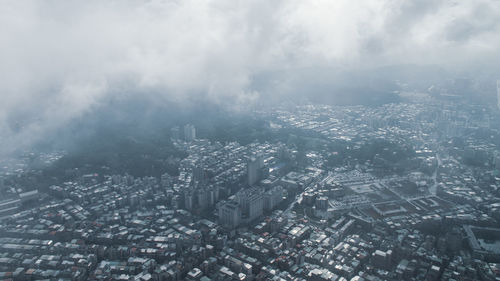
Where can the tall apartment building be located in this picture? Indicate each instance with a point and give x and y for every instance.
(254, 169)
(230, 214)
(251, 202)
(189, 132)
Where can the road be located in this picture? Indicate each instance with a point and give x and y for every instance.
(300, 196)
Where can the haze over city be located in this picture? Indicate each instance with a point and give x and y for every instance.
(250, 140)
(62, 59)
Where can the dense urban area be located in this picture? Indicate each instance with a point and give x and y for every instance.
(400, 191)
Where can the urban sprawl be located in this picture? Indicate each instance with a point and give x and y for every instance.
(425, 206)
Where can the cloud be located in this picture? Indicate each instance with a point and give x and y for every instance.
(61, 58)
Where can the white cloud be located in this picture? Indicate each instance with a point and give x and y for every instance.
(59, 58)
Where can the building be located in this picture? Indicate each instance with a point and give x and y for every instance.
(255, 206)
(254, 168)
(194, 275)
(497, 162)
(484, 242)
(251, 202)
(188, 200)
(322, 203)
(189, 132)
(273, 197)
(230, 214)
(381, 259)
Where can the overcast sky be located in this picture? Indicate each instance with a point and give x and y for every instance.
(60, 58)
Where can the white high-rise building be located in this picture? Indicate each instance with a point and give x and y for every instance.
(251, 202)
(189, 132)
